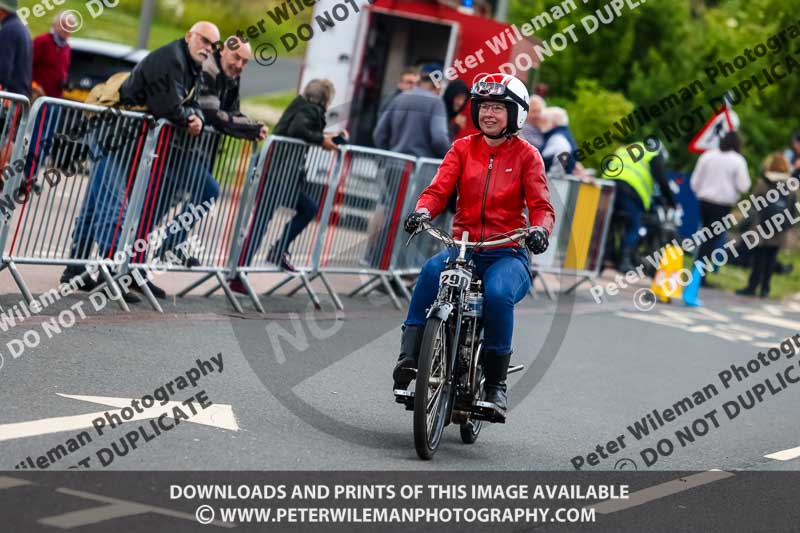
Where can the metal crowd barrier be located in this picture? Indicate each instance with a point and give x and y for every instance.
(362, 218)
(92, 181)
(294, 183)
(407, 261)
(583, 215)
(195, 184)
(13, 117)
(69, 200)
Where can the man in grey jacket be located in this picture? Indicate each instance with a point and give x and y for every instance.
(415, 123)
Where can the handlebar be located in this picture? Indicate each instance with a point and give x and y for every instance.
(464, 242)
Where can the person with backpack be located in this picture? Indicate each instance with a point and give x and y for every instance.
(764, 256)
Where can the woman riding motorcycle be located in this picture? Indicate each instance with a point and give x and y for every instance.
(496, 175)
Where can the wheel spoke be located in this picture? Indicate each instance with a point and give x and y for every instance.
(436, 378)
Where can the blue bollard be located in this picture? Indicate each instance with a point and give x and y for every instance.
(692, 289)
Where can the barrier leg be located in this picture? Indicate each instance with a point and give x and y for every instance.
(252, 294)
(335, 297)
(114, 288)
(310, 291)
(403, 289)
(580, 282)
(148, 294)
(390, 291)
(296, 289)
(228, 292)
(545, 286)
(23, 288)
(286, 280)
(194, 285)
(214, 288)
(363, 286)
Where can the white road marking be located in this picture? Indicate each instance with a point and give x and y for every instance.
(217, 415)
(11, 482)
(774, 321)
(785, 455)
(115, 509)
(660, 491)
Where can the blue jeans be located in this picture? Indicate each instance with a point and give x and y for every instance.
(106, 200)
(631, 208)
(506, 280)
(206, 192)
(305, 210)
(103, 207)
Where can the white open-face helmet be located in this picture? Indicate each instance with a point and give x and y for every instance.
(506, 89)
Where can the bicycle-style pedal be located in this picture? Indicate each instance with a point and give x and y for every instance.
(515, 368)
(488, 412)
(405, 397)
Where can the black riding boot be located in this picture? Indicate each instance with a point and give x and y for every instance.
(495, 370)
(410, 342)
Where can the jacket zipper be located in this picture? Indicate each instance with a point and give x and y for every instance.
(485, 190)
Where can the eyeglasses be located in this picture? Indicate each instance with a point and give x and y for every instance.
(492, 108)
(204, 40)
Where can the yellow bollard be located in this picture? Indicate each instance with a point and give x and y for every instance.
(666, 284)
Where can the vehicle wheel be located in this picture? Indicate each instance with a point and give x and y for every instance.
(432, 393)
(470, 430)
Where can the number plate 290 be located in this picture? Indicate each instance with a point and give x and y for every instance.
(455, 278)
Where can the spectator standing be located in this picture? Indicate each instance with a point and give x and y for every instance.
(456, 96)
(535, 123)
(408, 80)
(558, 140)
(415, 123)
(52, 56)
(218, 99)
(765, 256)
(718, 179)
(304, 119)
(16, 59)
(166, 84)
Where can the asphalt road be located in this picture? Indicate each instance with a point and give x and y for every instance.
(311, 390)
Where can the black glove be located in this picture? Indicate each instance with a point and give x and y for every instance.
(536, 241)
(415, 220)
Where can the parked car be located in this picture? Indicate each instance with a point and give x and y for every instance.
(94, 62)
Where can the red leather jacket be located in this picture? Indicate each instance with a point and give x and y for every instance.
(494, 184)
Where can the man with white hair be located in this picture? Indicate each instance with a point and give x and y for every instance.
(52, 56)
(532, 129)
(166, 84)
(558, 140)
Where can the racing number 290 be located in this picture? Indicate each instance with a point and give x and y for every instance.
(454, 278)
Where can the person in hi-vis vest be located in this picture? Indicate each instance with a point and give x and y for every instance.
(636, 168)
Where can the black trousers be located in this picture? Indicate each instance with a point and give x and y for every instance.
(710, 213)
(764, 259)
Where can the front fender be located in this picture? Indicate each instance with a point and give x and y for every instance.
(440, 310)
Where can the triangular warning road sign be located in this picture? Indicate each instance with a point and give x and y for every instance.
(709, 135)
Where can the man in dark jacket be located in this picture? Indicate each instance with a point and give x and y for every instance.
(304, 119)
(218, 99)
(166, 83)
(219, 91)
(16, 59)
